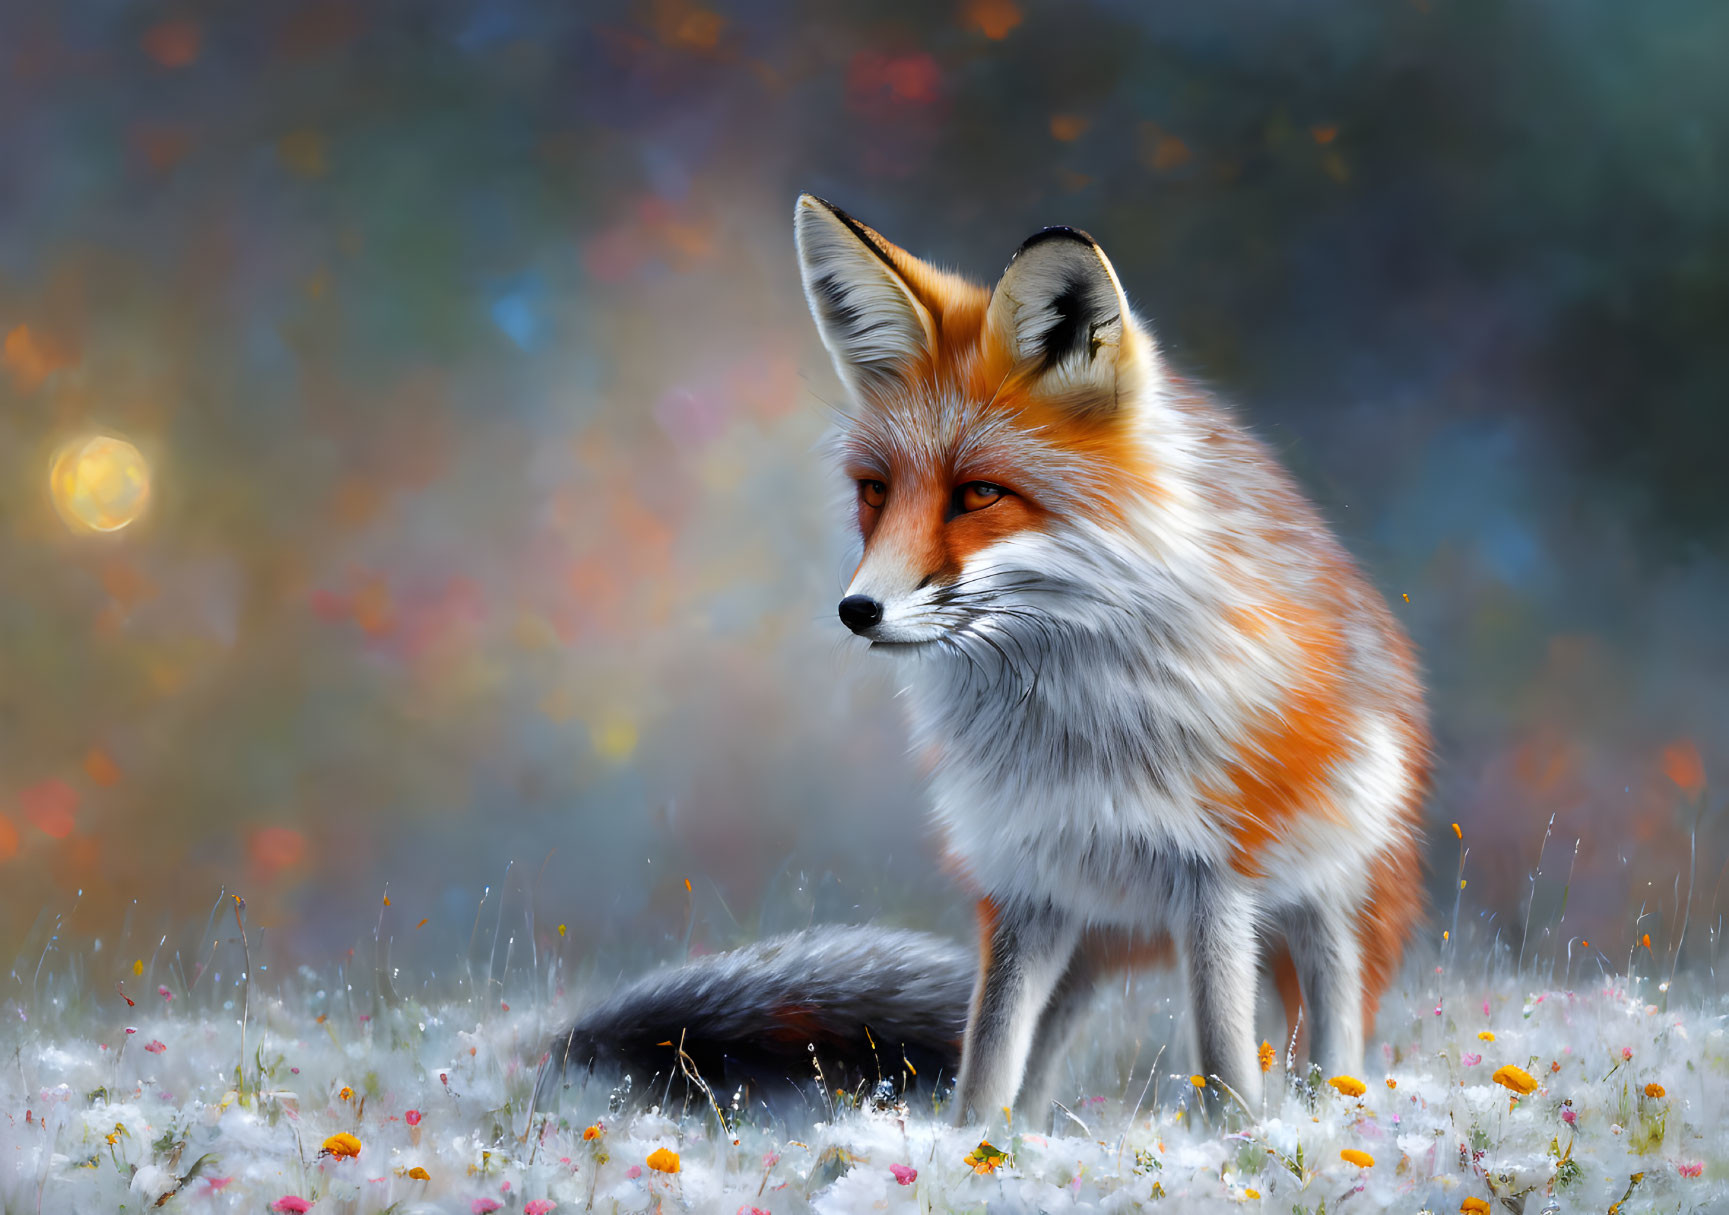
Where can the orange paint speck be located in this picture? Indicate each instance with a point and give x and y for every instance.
(30, 358)
(1066, 128)
(8, 839)
(992, 18)
(51, 805)
(100, 767)
(174, 44)
(1683, 765)
(277, 848)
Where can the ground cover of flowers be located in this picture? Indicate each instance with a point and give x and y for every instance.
(1479, 1095)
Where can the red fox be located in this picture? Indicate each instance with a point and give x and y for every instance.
(1162, 709)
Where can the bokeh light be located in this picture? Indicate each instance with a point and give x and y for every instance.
(494, 527)
(99, 483)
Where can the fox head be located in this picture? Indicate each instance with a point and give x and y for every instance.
(993, 434)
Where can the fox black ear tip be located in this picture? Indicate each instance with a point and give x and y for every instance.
(1058, 232)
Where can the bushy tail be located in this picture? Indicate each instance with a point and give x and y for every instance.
(865, 1005)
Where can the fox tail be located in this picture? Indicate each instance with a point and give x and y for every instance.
(839, 1007)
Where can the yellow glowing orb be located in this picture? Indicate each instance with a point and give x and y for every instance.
(99, 484)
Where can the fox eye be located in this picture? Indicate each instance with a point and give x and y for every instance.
(976, 495)
(873, 493)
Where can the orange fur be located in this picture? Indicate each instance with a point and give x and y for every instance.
(1281, 771)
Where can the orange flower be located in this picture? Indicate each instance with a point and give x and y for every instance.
(342, 1145)
(1267, 1056)
(1515, 1078)
(984, 1158)
(419, 1174)
(593, 1132)
(347, 1094)
(1361, 1159)
(1655, 1090)
(663, 1160)
(1486, 1035)
(1350, 1086)
(1392, 1083)
(1474, 1206)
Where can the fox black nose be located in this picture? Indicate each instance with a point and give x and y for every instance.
(860, 612)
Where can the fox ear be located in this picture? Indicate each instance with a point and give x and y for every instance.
(1059, 314)
(876, 330)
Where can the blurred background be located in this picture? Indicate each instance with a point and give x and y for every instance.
(474, 529)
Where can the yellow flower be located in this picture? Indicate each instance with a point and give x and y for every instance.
(342, 1145)
(1361, 1159)
(1474, 1206)
(419, 1174)
(1392, 1083)
(1251, 1193)
(663, 1160)
(984, 1158)
(1349, 1085)
(1655, 1090)
(347, 1094)
(1267, 1056)
(1198, 1081)
(1486, 1035)
(1515, 1078)
(593, 1132)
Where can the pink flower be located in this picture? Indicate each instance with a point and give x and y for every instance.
(1690, 1170)
(1626, 1053)
(412, 1117)
(217, 1184)
(130, 1030)
(1470, 1059)
(633, 1172)
(164, 993)
(904, 1174)
(291, 1204)
(505, 1188)
(155, 1047)
(1485, 1008)
(751, 1211)
(770, 1159)
(481, 1206)
(540, 1206)
(1569, 1116)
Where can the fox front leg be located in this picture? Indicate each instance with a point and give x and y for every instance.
(1023, 953)
(1220, 959)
